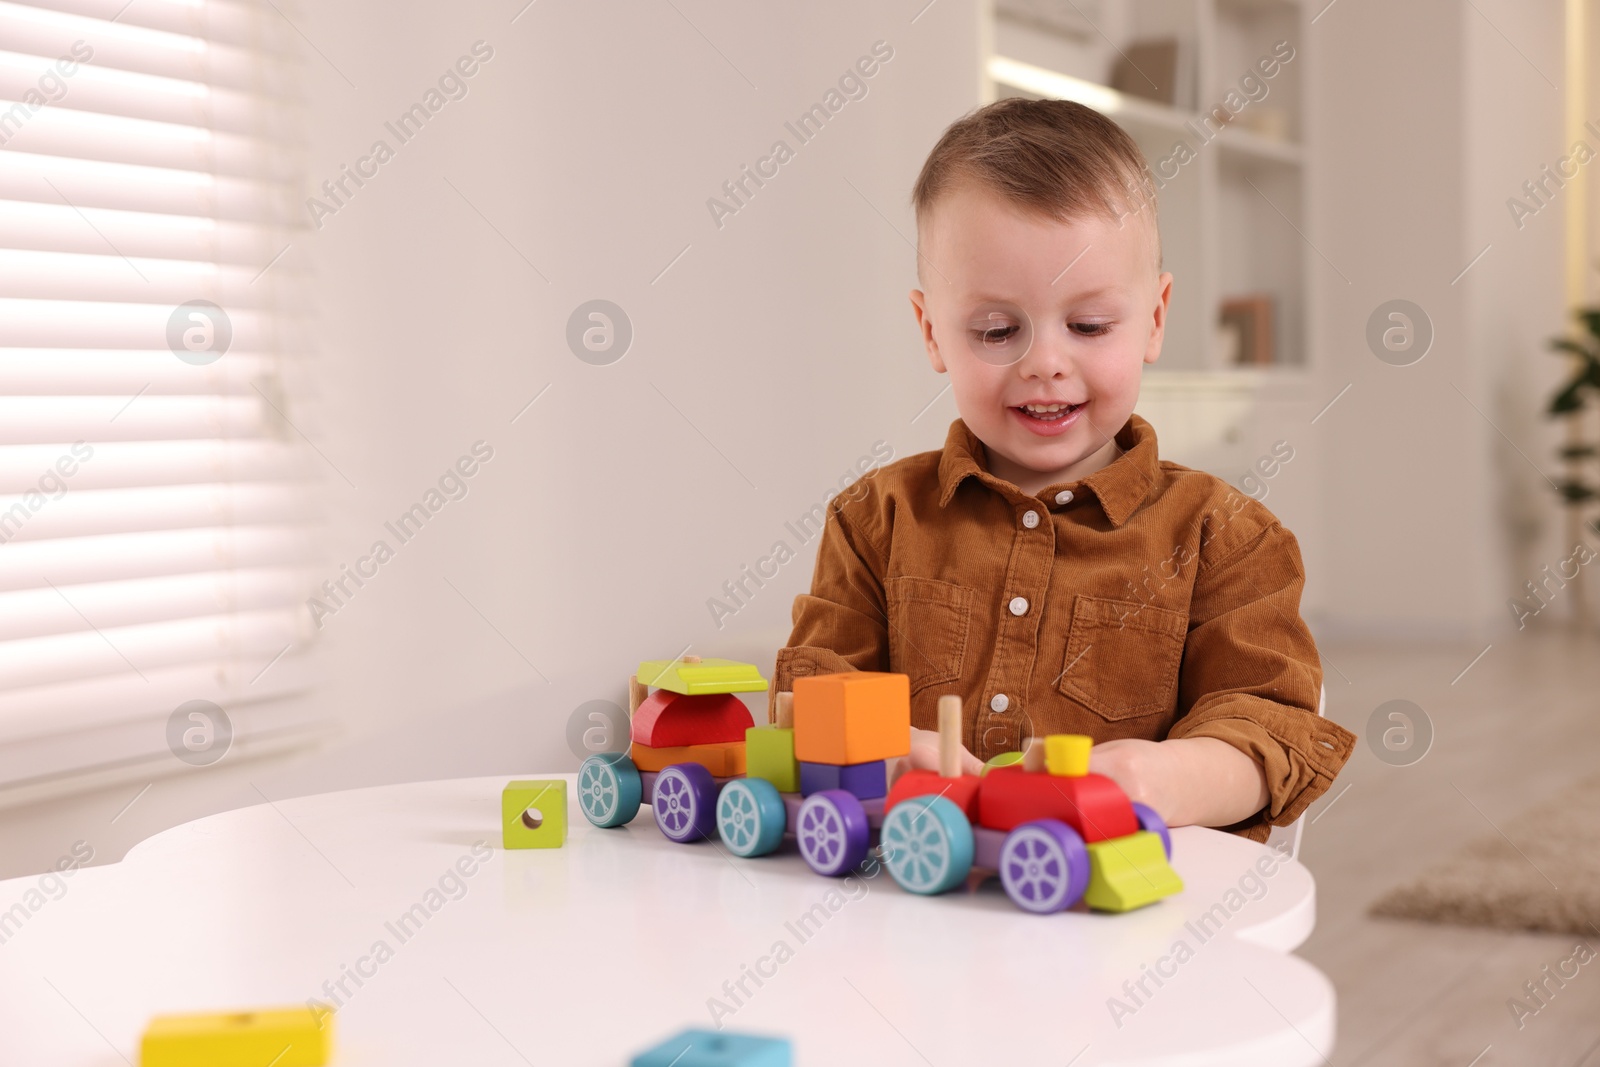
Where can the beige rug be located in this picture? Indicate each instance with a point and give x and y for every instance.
(1543, 874)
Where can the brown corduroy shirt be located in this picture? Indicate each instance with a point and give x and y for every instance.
(1147, 600)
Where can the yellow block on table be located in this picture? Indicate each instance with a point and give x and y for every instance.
(282, 1037)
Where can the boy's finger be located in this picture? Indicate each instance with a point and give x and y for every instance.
(898, 766)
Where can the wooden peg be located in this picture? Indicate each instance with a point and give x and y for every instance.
(784, 710)
(637, 691)
(691, 659)
(950, 736)
(1033, 756)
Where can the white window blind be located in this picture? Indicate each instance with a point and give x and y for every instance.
(154, 511)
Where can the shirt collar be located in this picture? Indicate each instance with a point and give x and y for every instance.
(1120, 486)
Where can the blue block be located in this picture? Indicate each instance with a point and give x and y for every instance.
(815, 777)
(711, 1048)
(864, 781)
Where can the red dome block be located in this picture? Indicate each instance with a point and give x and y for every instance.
(671, 720)
(962, 792)
(1093, 804)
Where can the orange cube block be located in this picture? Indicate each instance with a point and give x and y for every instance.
(852, 717)
(725, 760)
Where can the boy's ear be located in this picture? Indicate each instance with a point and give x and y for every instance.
(919, 304)
(1158, 325)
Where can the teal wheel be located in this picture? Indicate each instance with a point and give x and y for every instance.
(750, 816)
(927, 844)
(608, 789)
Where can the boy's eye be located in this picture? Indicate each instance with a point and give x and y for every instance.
(1089, 329)
(994, 335)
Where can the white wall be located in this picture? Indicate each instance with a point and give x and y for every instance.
(593, 539)
(1516, 296)
(591, 143)
(1422, 116)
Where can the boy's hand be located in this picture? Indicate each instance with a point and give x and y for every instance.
(925, 756)
(1139, 767)
(1188, 781)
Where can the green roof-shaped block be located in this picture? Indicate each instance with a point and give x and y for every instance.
(1129, 872)
(704, 676)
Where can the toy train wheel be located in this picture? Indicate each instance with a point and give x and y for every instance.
(608, 789)
(927, 844)
(685, 802)
(1149, 820)
(750, 816)
(832, 831)
(1044, 866)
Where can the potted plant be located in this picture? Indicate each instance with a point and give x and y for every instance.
(1579, 483)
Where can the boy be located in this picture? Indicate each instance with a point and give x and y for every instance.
(1045, 565)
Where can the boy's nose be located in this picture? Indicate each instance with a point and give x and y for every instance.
(1047, 357)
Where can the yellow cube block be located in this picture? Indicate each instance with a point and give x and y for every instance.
(1067, 754)
(283, 1037)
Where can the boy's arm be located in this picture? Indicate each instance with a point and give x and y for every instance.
(1251, 751)
(1191, 781)
(841, 625)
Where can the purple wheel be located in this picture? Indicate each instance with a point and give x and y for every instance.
(685, 802)
(1149, 820)
(832, 830)
(1044, 866)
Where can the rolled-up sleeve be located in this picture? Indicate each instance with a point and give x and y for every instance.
(1251, 675)
(841, 625)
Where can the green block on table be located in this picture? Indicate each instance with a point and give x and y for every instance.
(769, 754)
(533, 813)
(1129, 872)
(701, 676)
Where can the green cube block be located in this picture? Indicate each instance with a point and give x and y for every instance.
(1129, 872)
(769, 754)
(533, 813)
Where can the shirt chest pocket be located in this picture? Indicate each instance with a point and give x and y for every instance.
(928, 623)
(1123, 657)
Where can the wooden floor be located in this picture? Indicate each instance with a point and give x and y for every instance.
(1520, 724)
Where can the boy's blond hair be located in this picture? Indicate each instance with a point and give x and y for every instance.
(1053, 158)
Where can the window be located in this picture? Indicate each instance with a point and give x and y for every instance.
(154, 491)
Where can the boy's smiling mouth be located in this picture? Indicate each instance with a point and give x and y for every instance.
(1047, 418)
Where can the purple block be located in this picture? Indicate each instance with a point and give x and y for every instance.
(864, 781)
(815, 777)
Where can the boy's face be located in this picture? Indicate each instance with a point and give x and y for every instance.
(1023, 310)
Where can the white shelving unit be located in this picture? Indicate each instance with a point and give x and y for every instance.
(1233, 199)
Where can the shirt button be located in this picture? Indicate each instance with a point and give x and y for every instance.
(1030, 519)
(1064, 497)
(1018, 605)
(999, 702)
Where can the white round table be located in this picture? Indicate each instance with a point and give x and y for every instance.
(586, 954)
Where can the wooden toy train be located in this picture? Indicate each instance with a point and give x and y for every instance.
(1053, 831)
